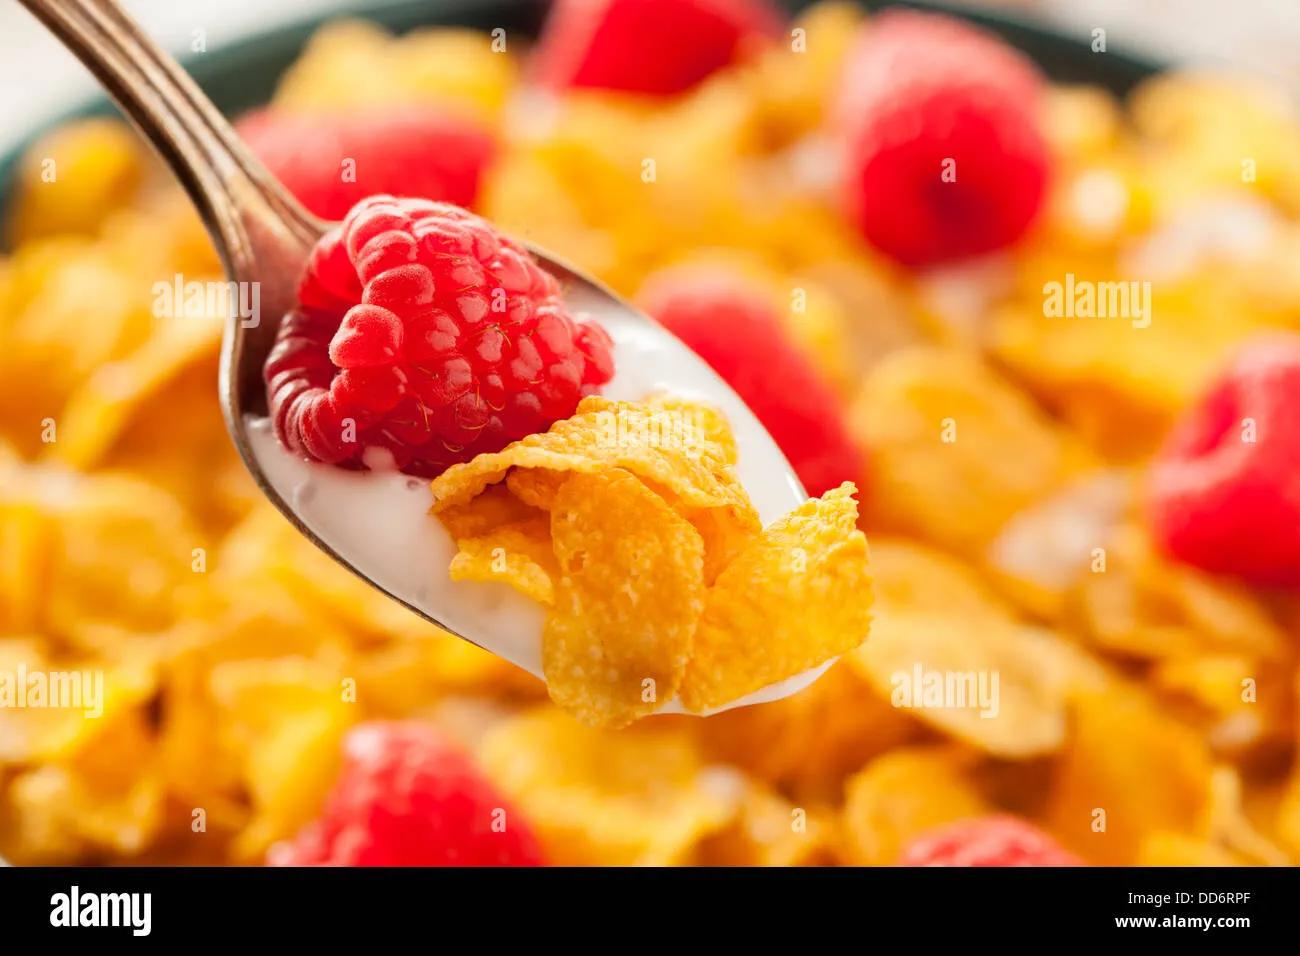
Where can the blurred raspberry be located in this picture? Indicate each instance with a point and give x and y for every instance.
(943, 153)
(333, 161)
(1225, 489)
(425, 335)
(407, 797)
(658, 47)
(987, 841)
(736, 329)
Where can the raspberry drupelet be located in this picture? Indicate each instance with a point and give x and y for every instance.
(424, 336)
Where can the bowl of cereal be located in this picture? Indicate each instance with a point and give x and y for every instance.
(1013, 306)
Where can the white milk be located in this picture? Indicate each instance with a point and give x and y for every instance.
(379, 521)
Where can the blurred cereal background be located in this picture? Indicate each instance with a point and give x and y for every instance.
(133, 544)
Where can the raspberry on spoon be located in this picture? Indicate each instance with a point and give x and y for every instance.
(423, 336)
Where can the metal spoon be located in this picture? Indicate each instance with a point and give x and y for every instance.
(263, 236)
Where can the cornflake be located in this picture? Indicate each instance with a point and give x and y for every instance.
(628, 521)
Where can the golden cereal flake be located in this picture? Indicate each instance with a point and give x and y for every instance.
(627, 601)
(642, 796)
(956, 449)
(1128, 771)
(682, 450)
(495, 507)
(797, 597)
(977, 679)
(902, 794)
(518, 554)
(604, 434)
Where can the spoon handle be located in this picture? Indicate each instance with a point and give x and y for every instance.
(243, 206)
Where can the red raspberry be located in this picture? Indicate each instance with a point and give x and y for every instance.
(987, 841)
(407, 797)
(405, 151)
(659, 47)
(425, 334)
(1225, 490)
(943, 156)
(739, 333)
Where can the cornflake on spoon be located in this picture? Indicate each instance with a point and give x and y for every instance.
(663, 584)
